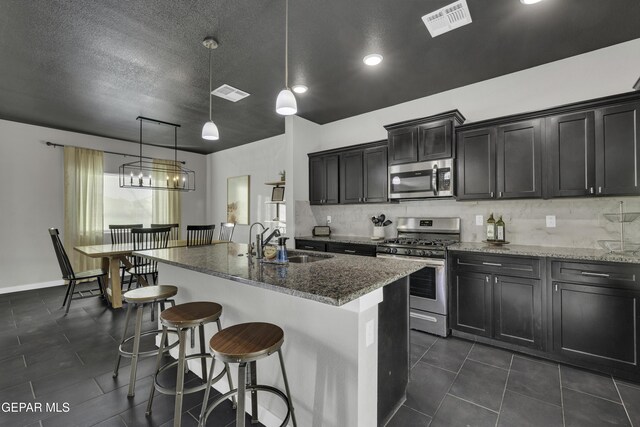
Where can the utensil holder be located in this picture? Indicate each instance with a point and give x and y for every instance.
(378, 232)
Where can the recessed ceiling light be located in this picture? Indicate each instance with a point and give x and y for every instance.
(528, 2)
(372, 59)
(300, 88)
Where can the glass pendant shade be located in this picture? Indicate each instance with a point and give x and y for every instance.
(210, 131)
(286, 103)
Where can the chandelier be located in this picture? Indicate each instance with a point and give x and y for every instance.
(158, 174)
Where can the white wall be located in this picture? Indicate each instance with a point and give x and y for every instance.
(32, 195)
(261, 160)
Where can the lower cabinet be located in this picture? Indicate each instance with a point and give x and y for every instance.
(336, 247)
(596, 322)
(494, 305)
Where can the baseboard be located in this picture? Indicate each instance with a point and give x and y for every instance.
(31, 286)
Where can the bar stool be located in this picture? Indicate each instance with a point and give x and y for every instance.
(183, 317)
(242, 344)
(138, 298)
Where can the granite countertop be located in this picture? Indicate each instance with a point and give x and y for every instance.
(335, 280)
(586, 254)
(342, 239)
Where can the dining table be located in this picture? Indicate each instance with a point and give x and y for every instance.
(112, 255)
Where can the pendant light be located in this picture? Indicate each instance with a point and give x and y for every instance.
(210, 130)
(286, 102)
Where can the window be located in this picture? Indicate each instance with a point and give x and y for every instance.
(125, 205)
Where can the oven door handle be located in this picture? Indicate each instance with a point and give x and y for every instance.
(423, 317)
(429, 262)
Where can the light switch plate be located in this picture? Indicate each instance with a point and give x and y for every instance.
(370, 333)
(328, 219)
(479, 220)
(551, 221)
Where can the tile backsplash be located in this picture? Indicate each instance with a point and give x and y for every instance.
(579, 222)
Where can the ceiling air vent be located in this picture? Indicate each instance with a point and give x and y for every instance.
(447, 18)
(230, 93)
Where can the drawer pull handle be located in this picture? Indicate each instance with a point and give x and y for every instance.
(588, 273)
(309, 247)
(350, 251)
(493, 264)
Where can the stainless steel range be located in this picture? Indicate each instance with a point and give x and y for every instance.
(425, 240)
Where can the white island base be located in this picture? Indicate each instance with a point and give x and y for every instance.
(330, 352)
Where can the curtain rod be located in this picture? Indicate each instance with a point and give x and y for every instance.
(54, 145)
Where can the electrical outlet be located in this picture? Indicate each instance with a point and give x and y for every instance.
(479, 220)
(370, 333)
(328, 219)
(551, 221)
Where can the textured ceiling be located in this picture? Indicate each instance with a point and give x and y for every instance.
(93, 66)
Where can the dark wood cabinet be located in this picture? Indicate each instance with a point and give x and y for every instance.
(571, 153)
(336, 247)
(311, 245)
(323, 179)
(363, 175)
(428, 138)
(403, 146)
(517, 310)
(596, 324)
(476, 169)
(617, 149)
(470, 304)
(498, 297)
(519, 160)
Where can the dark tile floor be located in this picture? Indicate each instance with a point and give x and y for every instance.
(46, 357)
(459, 383)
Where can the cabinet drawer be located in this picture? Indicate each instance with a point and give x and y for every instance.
(311, 245)
(351, 249)
(504, 265)
(614, 275)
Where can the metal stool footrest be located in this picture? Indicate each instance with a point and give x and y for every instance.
(148, 352)
(171, 390)
(256, 387)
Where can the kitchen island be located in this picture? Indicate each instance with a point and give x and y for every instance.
(345, 320)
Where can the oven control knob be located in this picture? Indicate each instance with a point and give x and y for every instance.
(423, 253)
(393, 250)
(407, 252)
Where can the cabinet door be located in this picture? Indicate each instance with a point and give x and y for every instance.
(351, 182)
(471, 303)
(519, 167)
(517, 311)
(617, 150)
(332, 180)
(596, 324)
(476, 164)
(571, 151)
(375, 174)
(403, 146)
(434, 140)
(317, 180)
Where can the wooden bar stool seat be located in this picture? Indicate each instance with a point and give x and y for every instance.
(245, 344)
(184, 317)
(139, 298)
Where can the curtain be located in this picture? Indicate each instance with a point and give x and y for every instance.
(83, 213)
(165, 204)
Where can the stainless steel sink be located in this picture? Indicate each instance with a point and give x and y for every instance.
(301, 259)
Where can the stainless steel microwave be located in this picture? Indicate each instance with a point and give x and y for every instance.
(421, 180)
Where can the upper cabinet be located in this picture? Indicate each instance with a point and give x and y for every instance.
(500, 162)
(594, 153)
(356, 174)
(323, 179)
(418, 140)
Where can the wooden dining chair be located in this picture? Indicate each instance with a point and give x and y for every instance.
(72, 277)
(121, 234)
(145, 239)
(226, 231)
(198, 235)
(174, 234)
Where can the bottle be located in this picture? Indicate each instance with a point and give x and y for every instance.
(282, 256)
(500, 230)
(491, 228)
